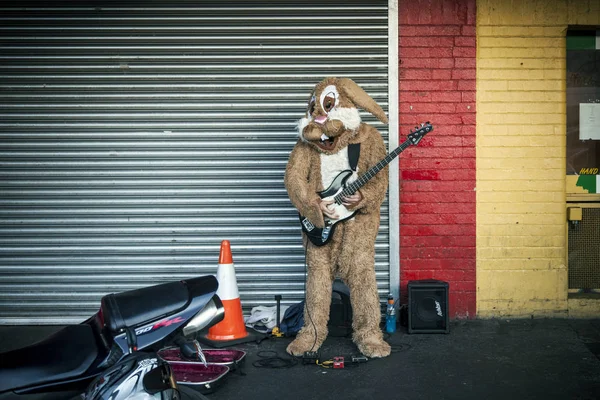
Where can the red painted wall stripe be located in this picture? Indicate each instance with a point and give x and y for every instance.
(437, 178)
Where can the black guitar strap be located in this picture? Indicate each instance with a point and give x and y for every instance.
(353, 154)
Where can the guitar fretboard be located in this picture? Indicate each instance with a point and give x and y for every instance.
(360, 182)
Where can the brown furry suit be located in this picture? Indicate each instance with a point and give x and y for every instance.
(350, 254)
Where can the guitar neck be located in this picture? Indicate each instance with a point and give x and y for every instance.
(360, 182)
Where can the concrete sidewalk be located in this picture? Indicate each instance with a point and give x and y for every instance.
(482, 359)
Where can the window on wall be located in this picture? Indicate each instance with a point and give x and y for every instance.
(583, 159)
(583, 110)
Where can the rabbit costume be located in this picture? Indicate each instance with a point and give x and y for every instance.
(331, 123)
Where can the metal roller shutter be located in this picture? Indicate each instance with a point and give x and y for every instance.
(135, 139)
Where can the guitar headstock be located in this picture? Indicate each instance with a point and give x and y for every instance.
(415, 136)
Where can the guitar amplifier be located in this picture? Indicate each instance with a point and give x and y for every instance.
(428, 306)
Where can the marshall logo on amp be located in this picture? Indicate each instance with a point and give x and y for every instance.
(438, 308)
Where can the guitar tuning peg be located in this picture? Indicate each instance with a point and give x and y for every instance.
(422, 124)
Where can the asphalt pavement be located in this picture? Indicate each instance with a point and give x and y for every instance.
(477, 359)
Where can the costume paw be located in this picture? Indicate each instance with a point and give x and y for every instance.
(374, 348)
(303, 343)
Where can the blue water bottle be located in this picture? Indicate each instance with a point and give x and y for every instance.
(390, 315)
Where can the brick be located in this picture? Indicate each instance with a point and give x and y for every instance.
(438, 241)
(424, 163)
(469, 119)
(420, 241)
(422, 151)
(406, 85)
(469, 141)
(469, 130)
(429, 186)
(448, 96)
(417, 97)
(445, 141)
(463, 74)
(464, 52)
(437, 208)
(438, 252)
(462, 285)
(418, 74)
(429, 96)
(465, 41)
(429, 42)
(468, 96)
(419, 229)
(425, 108)
(458, 264)
(468, 30)
(420, 175)
(441, 219)
(465, 108)
(439, 130)
(437, 119)
(410, 265)
(436, 30)
(467, 85)
(460, 62)
(424, 52)
(437, 197)
(456, 175)
(409, 62)
(444, 74)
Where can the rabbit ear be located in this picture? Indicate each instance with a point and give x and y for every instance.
(361, 98)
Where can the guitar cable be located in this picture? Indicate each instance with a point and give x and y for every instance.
(305, 302)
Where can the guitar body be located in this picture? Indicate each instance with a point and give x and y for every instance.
(318, 236)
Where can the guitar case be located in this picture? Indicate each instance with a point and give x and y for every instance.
(340, 313)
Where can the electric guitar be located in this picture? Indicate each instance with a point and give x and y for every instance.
(339, 189)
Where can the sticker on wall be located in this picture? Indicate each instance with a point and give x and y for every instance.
(588, 180)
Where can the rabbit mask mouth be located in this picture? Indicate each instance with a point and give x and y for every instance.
(326, 143)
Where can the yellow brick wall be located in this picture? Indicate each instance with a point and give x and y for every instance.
(521, 123)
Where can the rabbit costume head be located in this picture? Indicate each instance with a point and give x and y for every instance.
(332, 116)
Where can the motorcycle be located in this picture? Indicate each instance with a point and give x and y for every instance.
(142, 320)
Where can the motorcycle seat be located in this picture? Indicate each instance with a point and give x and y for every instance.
(140, 306)
(66, 354)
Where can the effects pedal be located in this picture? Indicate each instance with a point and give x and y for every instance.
(310, 357)
(338, 362)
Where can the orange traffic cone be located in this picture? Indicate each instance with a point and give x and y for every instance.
(231, 330)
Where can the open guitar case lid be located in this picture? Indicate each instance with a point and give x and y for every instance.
(196, 375)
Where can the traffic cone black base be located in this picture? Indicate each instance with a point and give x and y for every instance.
(218, 344)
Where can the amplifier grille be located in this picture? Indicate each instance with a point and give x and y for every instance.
(584, 251)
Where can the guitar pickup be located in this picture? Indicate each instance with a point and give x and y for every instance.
(307, 224)
(325, 233)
